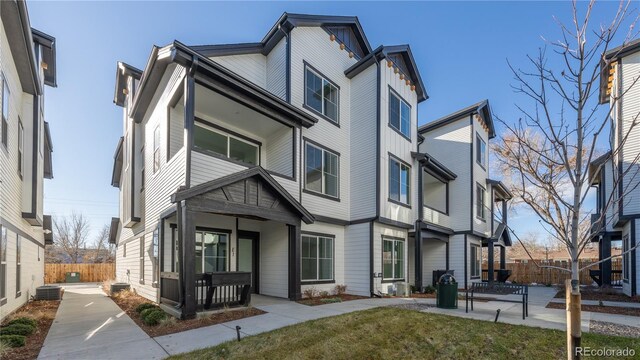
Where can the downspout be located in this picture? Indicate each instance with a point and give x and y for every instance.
(371, 239)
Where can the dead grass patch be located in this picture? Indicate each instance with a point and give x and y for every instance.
(602, 294)
(323, 300)
(44, 312)
(618, 310)
(128, 300)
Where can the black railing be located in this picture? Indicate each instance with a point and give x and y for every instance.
(223, 289)
(169, 289)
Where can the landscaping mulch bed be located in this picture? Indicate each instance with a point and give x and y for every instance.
(330, 299)
(608, 328)
(128, 301)
(601, 294)
(618, 310)
(44, 311)
(423, 296)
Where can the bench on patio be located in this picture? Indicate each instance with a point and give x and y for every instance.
(500, 289)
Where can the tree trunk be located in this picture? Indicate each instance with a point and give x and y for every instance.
(574, 325)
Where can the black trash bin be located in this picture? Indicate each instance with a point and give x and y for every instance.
(438, 273)
(447, 297)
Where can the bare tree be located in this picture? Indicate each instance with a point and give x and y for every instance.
(103, 251)
(546, 154)
(71, 235)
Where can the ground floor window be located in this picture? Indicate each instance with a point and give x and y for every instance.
(211, 251)
(3, 262)
(626, 258)
(18, 265)
(317, 258)
(392, 258)
(475, 260)
(142, 260)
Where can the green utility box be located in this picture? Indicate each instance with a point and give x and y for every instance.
(447, 292)
(72, 277)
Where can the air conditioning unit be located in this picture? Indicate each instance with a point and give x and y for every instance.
(402, 289)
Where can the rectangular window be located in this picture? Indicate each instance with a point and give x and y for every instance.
(3, 262)
(18, 265)
(435, 193)
(20, 147)
(626, 258)
(321, 170)
(480, 207)
(142, 164)
(124, 250)
(392, 259)
(317, 258)
(154, 259)
(226, 145)
(399, 114)
(475, 260)
(321, 95)
(212, 249)
(5, 112)
(156, 149)
(399, 181)
(142, 260)
(481, 151)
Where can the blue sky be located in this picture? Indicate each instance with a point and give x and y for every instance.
(461, 50)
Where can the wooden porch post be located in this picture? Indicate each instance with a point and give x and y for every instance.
(294, 262)
(490, 260)
(418, 256)
(188, 235)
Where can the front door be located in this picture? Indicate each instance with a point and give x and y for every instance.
(248, 255)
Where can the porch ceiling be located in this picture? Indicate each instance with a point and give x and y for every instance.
(248, 193)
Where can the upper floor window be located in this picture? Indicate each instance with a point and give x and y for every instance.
(435, 193)
(399, 181)
(399, 114)
(5, 111)
(480, 206)
(142, 166)
(156, 149)
(321, 170)
(481, 151)
(321, 95)
(20, 147)
(392, 258)
(229, 146)
(3, 262)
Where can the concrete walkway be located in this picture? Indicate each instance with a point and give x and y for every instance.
(89, 325)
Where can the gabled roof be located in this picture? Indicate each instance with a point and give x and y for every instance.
(596, 166)
(15, 20)
(181, 54)
(503, 191)
(502, 232)
(256, 171)
(113, 230)
(117, 164)
(434, 167)
(481, 108)
(610, 58)
(283, 26)
(389, 52)
(123, 72)
(48, 51)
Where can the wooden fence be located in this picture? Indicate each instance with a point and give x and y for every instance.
(527, 273)
(55, 273)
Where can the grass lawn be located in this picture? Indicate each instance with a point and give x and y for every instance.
(386, 333)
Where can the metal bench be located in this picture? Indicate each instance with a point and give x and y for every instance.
(500, 289)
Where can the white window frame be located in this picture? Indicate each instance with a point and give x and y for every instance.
(156, 149)
(317, 238)
(324, 174)
(4, 244)
(325, 82)
(18, 265)
(402, 165)
(20, 147)
(394, 258)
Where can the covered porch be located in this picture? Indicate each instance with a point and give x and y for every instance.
(500, 237)
(228, 238)
(432, 243)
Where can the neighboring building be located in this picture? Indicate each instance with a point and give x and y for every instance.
(618, 205)
(294, 158)
(27, 64)
(457, 209)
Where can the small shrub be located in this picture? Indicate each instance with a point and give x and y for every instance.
(145, 306)
(4, 348)
(24, 320)
(154, 317)
(17, 329)
(600, 303)
(13, 340)
(167, 321)
(429, 289)
(331, 300)
(148, 311)
(310, 293)
(340, 289)
(324, 294)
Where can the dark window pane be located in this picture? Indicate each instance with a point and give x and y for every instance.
(209, 140)
(399, 257)
(242, 151)
(394, 111)
(404, 184)
(387, 259)
(313, 91)
(394, 180)
(405, 124)
(331, 101)
(331, 174)
(313, 168)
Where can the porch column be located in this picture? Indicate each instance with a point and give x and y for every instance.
(490, 260)
(295, 292)
(418, 257)
(446, 250)
(188, 241)
(503, 259)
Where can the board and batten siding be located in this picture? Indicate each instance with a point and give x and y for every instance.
(396, 144)
(450, 144)
(363, 144)
(356, 259)
(276, 70)
(252, 67)
(631, 148)
(312, 44)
